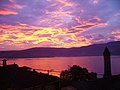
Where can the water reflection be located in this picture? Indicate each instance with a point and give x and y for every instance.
(92, 63)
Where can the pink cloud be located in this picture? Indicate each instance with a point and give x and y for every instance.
(14, 6)
(116, 34)
(5, 11)
(12, 1)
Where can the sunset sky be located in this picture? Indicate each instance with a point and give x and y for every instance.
(58, 23)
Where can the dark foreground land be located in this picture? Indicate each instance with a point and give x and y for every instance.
(13, 77)
(111, 83)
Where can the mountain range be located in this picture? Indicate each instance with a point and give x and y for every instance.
(91, 50)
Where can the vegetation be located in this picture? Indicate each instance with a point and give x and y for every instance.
(77, 73)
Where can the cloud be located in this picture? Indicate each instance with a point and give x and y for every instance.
(9, 8)
(14, 6)
(116, 34)
(5, 11)
(20, 36)
(13, 1)
(58, 23)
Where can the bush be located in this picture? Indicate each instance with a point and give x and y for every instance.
(77, 73)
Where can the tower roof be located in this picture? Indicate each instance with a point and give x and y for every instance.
(4, 60)
(106, 51)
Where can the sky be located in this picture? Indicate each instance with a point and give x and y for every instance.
(58, 23)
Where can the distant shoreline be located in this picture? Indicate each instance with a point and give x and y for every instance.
(55, 56)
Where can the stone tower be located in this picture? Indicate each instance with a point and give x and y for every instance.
(107, 63)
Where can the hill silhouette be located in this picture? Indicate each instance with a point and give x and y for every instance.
(91, 50)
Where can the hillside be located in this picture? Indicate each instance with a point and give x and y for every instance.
(91, 50)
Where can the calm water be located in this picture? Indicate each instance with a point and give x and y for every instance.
(92, 63)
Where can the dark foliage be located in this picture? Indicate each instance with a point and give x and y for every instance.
(77, 73)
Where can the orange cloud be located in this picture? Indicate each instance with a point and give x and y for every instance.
(55, 37)
(24, 36)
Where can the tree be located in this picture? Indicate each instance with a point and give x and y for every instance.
(77, 73)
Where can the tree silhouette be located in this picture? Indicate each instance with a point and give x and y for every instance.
(77, 73)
